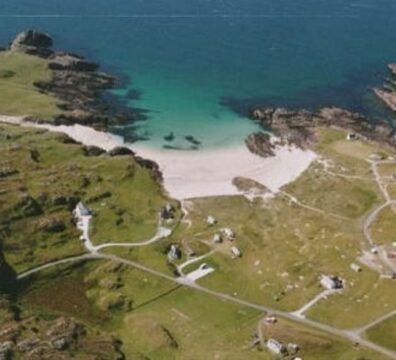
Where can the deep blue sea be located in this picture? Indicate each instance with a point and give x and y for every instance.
(197, 66)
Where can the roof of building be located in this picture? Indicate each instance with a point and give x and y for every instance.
(83, 210)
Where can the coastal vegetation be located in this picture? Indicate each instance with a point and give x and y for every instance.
(19, 96)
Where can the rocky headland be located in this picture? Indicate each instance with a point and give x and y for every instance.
(77, 83)
(297, 128)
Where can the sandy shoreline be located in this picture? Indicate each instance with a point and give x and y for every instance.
(192, 174)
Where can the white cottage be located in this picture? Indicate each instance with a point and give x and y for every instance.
(81, 211)
(275, 347)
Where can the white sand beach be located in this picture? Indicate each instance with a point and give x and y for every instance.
(202, 173)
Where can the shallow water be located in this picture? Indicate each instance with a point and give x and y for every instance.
(198, 66)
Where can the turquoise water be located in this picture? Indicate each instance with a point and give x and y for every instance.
(198, 66)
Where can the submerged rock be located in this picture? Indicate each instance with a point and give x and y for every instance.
(192, 140)
(169, 137)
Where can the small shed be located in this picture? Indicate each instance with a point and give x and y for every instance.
(331, 282)
(228, 233)
(217, 238)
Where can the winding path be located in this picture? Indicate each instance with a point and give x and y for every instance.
(162, 232)
(192, 261)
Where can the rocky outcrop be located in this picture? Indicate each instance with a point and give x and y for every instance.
(62, 338)
(33, 42)
(71, 62)
(388, 93)
(388, 96)
(260, 144)
(297, 127)
(152, 166)
(120, 151)
(250, 186)
(77, 84)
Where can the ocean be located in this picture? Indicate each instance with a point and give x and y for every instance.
(198, 66)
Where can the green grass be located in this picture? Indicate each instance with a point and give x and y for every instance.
(19, 96)
(315, 344)
(285, 249)
(383, 229)
(384, 333)
(63, 170)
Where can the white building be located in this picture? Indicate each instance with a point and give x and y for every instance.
(174, 253)
(331, 282)
(217, 238)
(81, 210)
(228, 233)
(275, 347)
(236, 252)
(271, 319)
(211, 220)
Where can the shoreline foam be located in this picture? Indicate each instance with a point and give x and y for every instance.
(202, 173)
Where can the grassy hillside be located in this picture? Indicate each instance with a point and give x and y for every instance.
(19, 97)
(42, 178)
